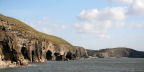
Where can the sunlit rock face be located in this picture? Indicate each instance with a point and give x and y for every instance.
(20, 47)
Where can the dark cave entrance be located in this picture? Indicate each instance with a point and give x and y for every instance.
(49, 55)
(32, 56)
(69, 55)
(8, 53)
(24, 53)
(58, 56)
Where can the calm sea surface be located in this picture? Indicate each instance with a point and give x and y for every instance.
(84, 65)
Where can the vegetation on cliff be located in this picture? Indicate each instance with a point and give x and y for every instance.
(26, 29)
(116, 52)
(20, 44)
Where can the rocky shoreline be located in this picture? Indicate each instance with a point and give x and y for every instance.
(20, 45)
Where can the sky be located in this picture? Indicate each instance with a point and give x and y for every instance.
(92, 24)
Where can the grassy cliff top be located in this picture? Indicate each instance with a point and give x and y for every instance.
(24, 28)
(117, 48)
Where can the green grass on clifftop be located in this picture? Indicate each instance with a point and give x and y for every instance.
(24, 28)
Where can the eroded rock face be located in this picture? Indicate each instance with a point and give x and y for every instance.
(18, 48)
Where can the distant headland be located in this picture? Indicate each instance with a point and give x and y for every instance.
(20, 44)
(116, 53)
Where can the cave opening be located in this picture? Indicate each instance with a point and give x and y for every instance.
(69, 55)
(58, 56)
(49, 55)
(8, 53)
(24, 53)
(32, 56)
(14, 52)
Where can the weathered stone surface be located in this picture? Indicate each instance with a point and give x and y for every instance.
(20, 48)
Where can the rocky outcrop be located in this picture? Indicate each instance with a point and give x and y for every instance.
(116, 52)
(21, 44)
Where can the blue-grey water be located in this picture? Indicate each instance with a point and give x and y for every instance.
(84, 65)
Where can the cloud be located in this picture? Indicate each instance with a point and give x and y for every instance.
(62, 27)
(103, 36)
(136, 25)
(52, 26)
(47, 31)
(115, 13)
(121, 1)
(100, 21)
(88, 27)
(40, 23)
(136, 8)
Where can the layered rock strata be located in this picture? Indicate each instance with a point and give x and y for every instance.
(20, 45)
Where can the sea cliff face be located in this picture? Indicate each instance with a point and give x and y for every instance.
(21, 44)
(116, 53)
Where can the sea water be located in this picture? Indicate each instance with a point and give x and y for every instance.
(84, 65)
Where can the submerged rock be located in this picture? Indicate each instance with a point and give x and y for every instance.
(20, 44)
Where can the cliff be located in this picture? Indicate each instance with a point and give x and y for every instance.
(20, 44)
(116, 52)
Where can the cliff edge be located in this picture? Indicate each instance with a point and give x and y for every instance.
(20, 44)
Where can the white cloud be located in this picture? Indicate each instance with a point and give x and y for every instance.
(96, 27)
(46, 25)
(62, 27)
(136, 25)
(121, 1)
(40, 23)
(95, 21)
(44, 18)
(103, 36)
(115, 13)
(100, 21)
(136, 8)
(47, 31)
